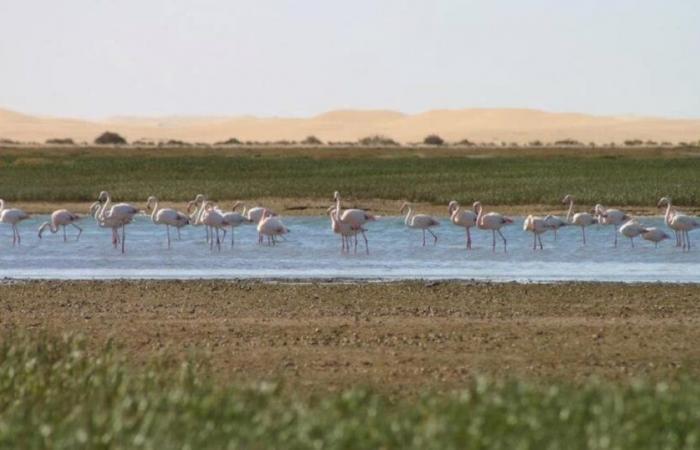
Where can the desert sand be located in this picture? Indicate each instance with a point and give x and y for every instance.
(477, 125)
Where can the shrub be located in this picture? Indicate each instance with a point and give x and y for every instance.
(143, 142)
(567, 142)
(109, 137)
(229, 141)
(173, 143)
(312, 140)
(633, 142)
(8, 141)
(536, 143)
(62, 141)
(466, 143)
(433, 139)
(377, 140)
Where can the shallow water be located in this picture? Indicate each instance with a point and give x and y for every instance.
(312, 251)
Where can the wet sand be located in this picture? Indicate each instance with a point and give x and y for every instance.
(402, 337)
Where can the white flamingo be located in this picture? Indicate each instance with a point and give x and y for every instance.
(356, 218)
(582, 219)
(120, 213)
(610, 216)
(12, 216)
(631, 229)
(655, 235)
(536, 225)
(214, 220)
(234, 219)
(555, 222)
(270, 227)
(343, 229)
(492, 221)
(460, 218)
(195, 210)
(61, 218)
(668, 219)
(422, 222)
(166, 216)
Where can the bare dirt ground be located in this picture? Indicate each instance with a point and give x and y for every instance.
(402, 337)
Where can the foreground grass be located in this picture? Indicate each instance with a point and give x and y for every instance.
(55, 394)
(499, 179)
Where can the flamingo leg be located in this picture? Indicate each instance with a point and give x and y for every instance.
(539, 238)
(423, 237)
(555, 234)
(505, 243)
(14, 236)
(65, 239)
(434, 236)
(583, 232)
(123, 237)
(80, 231)
(687, 239)
(534, 241)
(615, 227)
(19, 238)
(366, 242)
(167, 227)
(493, 240)
(632, 242)
(178, 233)
(232, 238)
(466, 229)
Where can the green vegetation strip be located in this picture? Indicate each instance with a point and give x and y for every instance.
(55, 394)
(500, 180)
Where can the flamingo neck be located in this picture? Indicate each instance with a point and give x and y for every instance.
(479, 214)
(2, 204)
(667, 217)
(409, 215)
(570, 214)
(337, 207)
(155, 210)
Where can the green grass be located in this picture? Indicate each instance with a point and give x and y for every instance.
(55, 394)
(500, 179)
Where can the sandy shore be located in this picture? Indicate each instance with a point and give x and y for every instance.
(397, 336)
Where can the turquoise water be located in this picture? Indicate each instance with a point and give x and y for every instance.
(312, 251)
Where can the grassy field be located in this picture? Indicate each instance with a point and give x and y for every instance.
(55, 394)
(494, 176)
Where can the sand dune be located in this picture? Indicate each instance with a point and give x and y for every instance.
(478, 125)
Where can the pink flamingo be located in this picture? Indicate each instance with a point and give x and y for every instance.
(12, 216)
(420, 221)
(466, 219)
(214, 220)
(344, 230)
(609, 216)
(356, 218)
(270, 226)
(61, 218)
(536, 225)
(234, 219)
(492, 221)
(121, 214)
(166, 216)
(582, 219)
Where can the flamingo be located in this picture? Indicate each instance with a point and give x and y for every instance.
(356, 218)
(61, 218)
(106, 223)
(166, 216)
(270, 226)
(655, 235)
(344, 230)
(213, 219)
(121, 213)
(609, 216)
(419, 221)
(234, 219)
(12, 216)
(536, 225)
(466, 219)
(196, 215)
(492, 221)
(555, 222)
(582, 219)
(255, 214)
(668, 219)
(631, 229)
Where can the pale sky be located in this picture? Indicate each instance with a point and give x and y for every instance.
(98, 58)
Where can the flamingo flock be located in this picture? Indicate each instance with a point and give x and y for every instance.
(349, 223)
